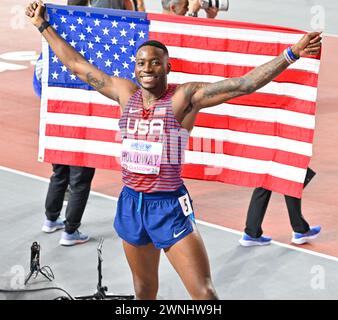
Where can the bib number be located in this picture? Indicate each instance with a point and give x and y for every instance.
(141, 156)
(185, 204)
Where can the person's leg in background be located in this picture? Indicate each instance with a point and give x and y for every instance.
(302, 232)
(253, 227)
(80, 179)
(55, 196)
(258, 204)
(297, 220)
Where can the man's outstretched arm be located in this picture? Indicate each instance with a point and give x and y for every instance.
(211, 94)
(113, 87)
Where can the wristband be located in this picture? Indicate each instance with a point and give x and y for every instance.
(291, 54)
(192, 14)
(44, 25)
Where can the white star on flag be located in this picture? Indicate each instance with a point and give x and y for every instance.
(55, 75)
(108, 63)
(141, 34)
(64, 35)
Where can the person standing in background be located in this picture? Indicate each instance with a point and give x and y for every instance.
(195, 6)
(78, 178)
(253, 232)
(176, 7)
(139, 5)
(181, 7)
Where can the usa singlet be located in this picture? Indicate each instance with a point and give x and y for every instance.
(153, 145)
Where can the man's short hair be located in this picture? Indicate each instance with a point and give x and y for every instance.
(166, 4)
(154, 43)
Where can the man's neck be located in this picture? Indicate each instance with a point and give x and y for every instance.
(149, 97)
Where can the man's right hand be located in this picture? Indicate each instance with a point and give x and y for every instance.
(36, 11)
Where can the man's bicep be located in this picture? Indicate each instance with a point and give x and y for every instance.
(115, 88)
(111, 87)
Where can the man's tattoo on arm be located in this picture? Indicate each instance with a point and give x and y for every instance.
(94, 82)
(265, 73)
(248, 83)
(225, 86)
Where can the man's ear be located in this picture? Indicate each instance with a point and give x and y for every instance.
(169, 67)
(172, 8)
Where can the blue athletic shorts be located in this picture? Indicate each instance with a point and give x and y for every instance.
(161, 218)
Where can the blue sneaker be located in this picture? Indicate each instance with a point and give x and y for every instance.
(50, 226)
(70, 239)
(247, 241)
(301, 238)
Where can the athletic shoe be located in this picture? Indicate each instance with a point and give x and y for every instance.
(70, 239)
(247, 241)
(50, 226)
(301, 238)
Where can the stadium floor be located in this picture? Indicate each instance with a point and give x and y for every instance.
(277, 271)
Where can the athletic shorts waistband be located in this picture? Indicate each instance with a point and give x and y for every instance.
(156, 195)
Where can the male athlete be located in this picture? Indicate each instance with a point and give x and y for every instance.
(154, 209)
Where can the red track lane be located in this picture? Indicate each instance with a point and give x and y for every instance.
(217, 203)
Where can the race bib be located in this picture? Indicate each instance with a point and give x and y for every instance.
(185, 204)
(141, 156)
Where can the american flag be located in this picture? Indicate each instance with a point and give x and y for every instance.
(263, 139)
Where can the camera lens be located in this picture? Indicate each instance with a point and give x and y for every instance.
(222, 5)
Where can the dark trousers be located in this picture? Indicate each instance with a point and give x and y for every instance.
(257, 208)
(79, 179)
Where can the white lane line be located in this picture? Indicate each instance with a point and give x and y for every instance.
(204, 223)
(288, 246)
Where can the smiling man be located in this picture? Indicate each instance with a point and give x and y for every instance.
(154, 209)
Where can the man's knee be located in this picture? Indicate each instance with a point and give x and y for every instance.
(145, 290)
(207, 292)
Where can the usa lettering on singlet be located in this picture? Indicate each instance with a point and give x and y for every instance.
(153, 145)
